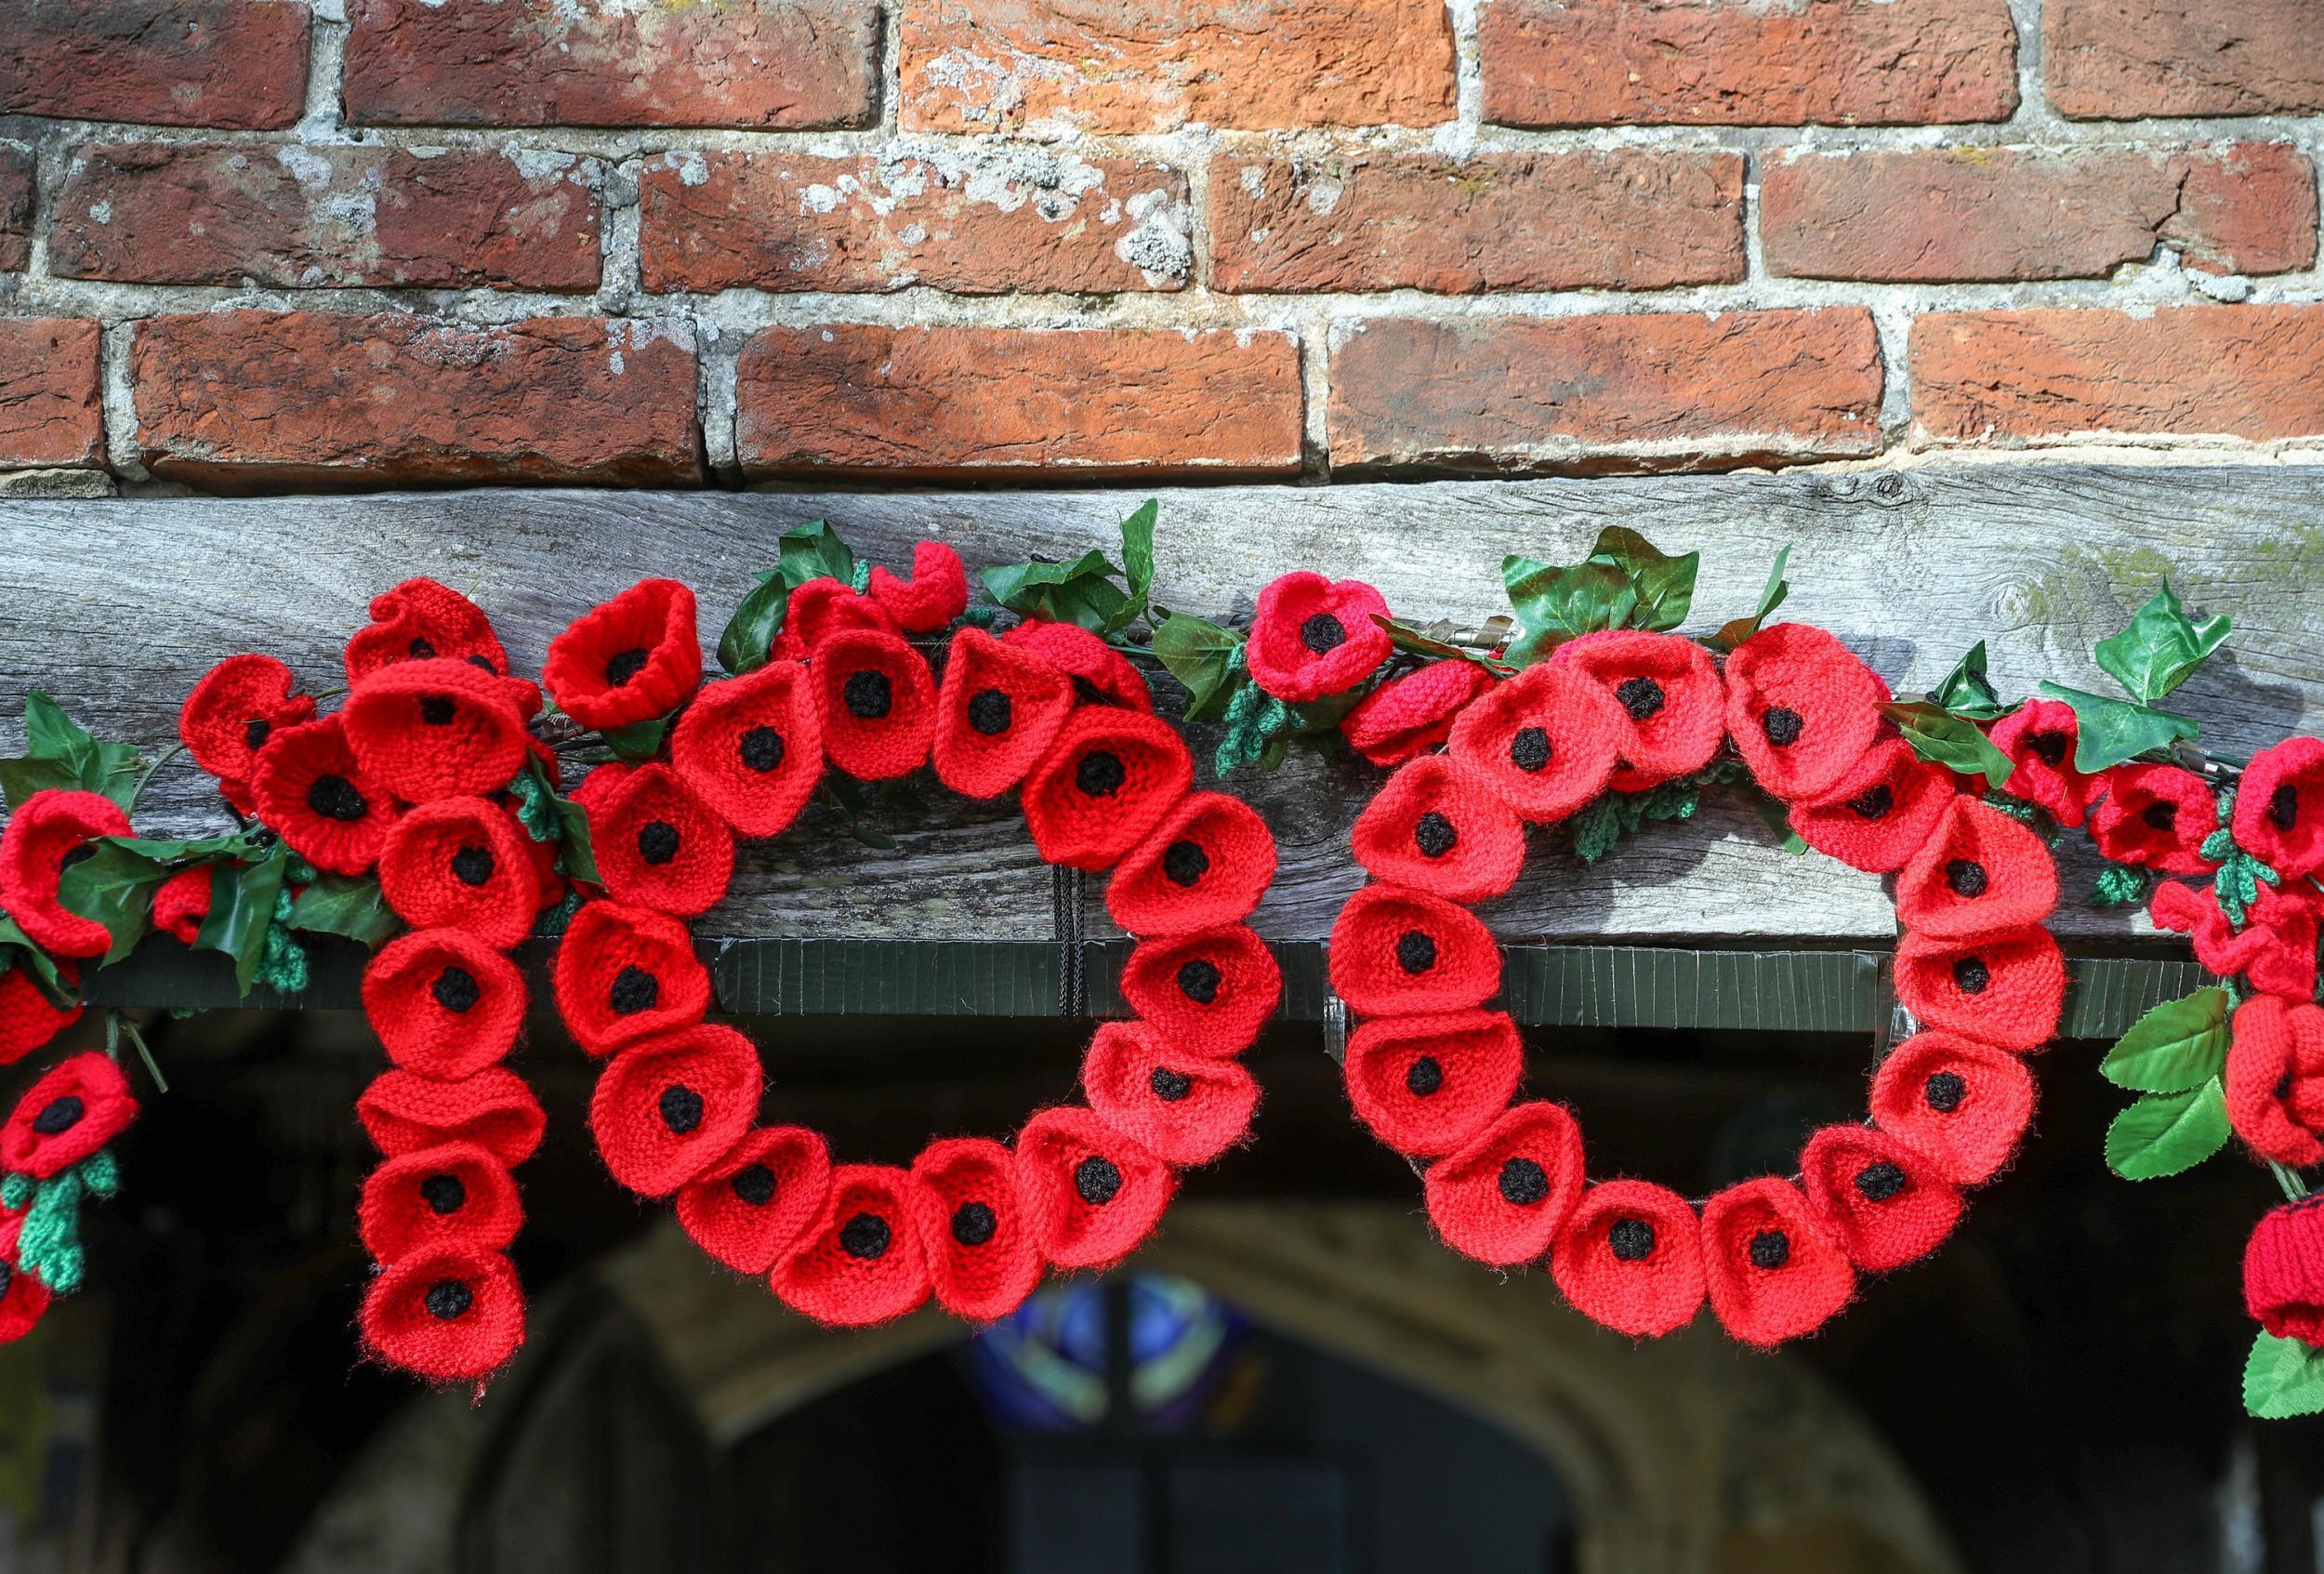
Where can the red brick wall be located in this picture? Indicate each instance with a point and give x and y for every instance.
(252, 244)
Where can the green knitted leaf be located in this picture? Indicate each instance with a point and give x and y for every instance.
(2120, 885)
(1596, 827)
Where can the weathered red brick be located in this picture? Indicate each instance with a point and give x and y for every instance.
(215, 214)
(1630, 219)
(765, 63)
(15, 207)
(251, 400)
(240, 64)
(1667, 390)
(1126, 66)
(2122, 59)
(970, 221)
(986, 403)
(2014, 376)
(1711, 62)
(2023, 213)
(50, 412)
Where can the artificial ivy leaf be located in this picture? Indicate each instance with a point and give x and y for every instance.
(2283, 1377)
(2163, 1133)
(1136, 564)
(847, 795)
(17, 948)
(2180, 1044)
(1199, 654)
(813, 550)
(114, 886)
(60, 752)
(1080, 592)
(2161, 647)
(2114, 730)
(1742, 629)
(1420, 642)
(1943, 738)
(1665, 584)
(243, 898)
(758, 619)
(568, 825)
(347, 905)
(639, 741)
(1557, 604)
(1967, 692)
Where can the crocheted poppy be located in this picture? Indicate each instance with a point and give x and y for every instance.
(2279, 807)
(1546, 741)
(1208, 992)
(77, 1107)
(997, 712)
(2275, 951)
(625, 974)
(629, 660)
(2156, 817)
(876, 702)
(2003, 989)
(444, 1003)
(1881, 812)
(2275, 1080)
(1667, 701)
(1407, 717)
(452, 1196)
(439, 728)
(1091, 1195)
(1206, 864)
(1883, 1202)
(746, 1209)
(974, 1229)
(1183, 1109)
(1502, 1196)
(937, 593)
(751, 747)
(1439, 828)
(28, 1019)
(2283, 1271)
(1981, 872)
(667, 1109)
(1396, 951)
(1425, 1085)
(461, 863)
(1629, 1256)
(1313, 637)
(310, 789)
(657, 843)
(819, 608)
(1771, 1273)
(861, 1262)
(1800, 707)
(1961, 1104)
(182, 901)
(2039, 738)
(451, 1313)
(404, 1112)
(417, 620)
(1108, 781)
(234, 708)
(1100, 673)
(23, 1299)
(47, 829)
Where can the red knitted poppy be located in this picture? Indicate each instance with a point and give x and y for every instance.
(1980, 873)
(1313, 637)
(404, 1112)
(1881, 812)
(2155, 817)
(461, 863)
(28, 1019)
(2003, 989)
(23, 1299)
(2275, 950)
(2275, 1080)
(1396, 951)
(417, 620)
(1772, 1272)
(309, 788)
(1502, 1196)
(629, 660)
(548, 883)
(1667, 701)
(861, 1262)
(2279, 807)
(182, 901)
(444, 1003)
(1407, 717)
(746, 1209)
(657, 843)
(1206, 864)
(235, 708)
(1960, 1104)
(974, 1228)
(876, 703)
(454, 1195)
(625, 974)
(2283, 1271)
(1091, 1195)
(2039, 738)
(1100, 673)
(450, 1313)
(997, 712)
(1427, 1084)
(1183, 1109)
(439, 728)
(1877, 1196)
(1108, 781)
(1437, 828)
(937, 593)
(669, 1108)
(1208, 992)
(819, 608)
(751, 747)
(1800, 707)
(77, 1107)
(1629, 1256)
(1547, 741)
(48, 827)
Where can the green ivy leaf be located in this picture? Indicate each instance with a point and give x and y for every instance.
(16, 949)
(1665, 584)
(639, 741)
(1742, 629)
(2283, 1377)
(1136, 564)
(2114, 730)
(1967, 692)
(1420, 642)
(60, 753)
(847, 795)
(2163, 1133)
(813, 550)
(1939, 735)
(1080, 592)
(2180, 1044)
(758, 619)
(2161, 647)
(1557, 604)
(114, 886)
(241, 905)
(1201, 655)
(347, 905)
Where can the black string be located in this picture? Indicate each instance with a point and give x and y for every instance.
(1067, 890)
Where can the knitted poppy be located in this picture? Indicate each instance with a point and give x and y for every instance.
(1880, 811)
(2279, 807)
(234, 708)
(2275, 950)
(1502, 1196)
(876, 702)
(1396, 951)
(1960, 1104)
(2283, 1271)
(404, 1112)
(460, 863)
(2156, 817)
(624, 974)
(1091, 1195)
(2039, 738)
(1407, 717)
(2003, 989)
(629, 660)
(417, 620)
(746, 1209)
(549, 884)
(1771, 1273)
(974, 1228)
(861, 1262)
(1425, 1085)
(28, 1018)
(1878, 1197)
(819, 608)
(1439, 828)
(1800, 707)
(182, 901)
(1183, 1109)
(2275, 1080)
(23, 1299)
(669, 1108)
(1981, 871)
(656, 842)
(998, 710)
(454, 1195)
(312, 792)
(439, 728)
(444, 1003)
(1108, 781)
(46, 831)
(937, 593)
(1206, 864)
(451, 1313)
(1546, 741)
(76, 1107)
(1629, 1256)
(1313, 637)
(751, 747)
(1667, 696)
(1208, 992)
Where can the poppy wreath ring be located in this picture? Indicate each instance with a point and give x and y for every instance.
(1433, 1069)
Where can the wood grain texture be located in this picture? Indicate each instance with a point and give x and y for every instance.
(114, 606)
